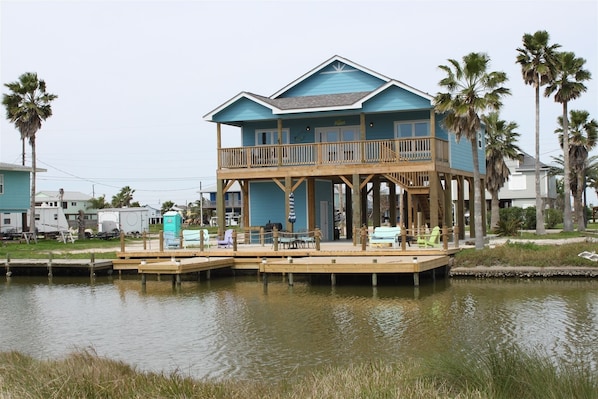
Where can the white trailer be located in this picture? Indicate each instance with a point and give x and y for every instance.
(50, 220)
(132, 221)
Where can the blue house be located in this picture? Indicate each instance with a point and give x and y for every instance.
(15, 196)
(342, 124)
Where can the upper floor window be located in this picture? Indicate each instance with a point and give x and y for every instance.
(270, 137)
(1, 184)
(410, 129)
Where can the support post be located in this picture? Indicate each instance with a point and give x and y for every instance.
(92, 264)
(122, 241)
(416, 279)
(374, 280)
(143, 279)
(50, 265)
(333, 279)
(291, 279)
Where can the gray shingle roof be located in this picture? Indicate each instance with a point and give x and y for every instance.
(307, 102)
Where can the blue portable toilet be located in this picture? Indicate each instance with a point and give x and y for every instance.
(172, 223)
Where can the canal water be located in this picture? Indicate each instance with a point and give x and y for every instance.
(236, 328)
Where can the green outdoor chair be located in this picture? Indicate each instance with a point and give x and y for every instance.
(433, 240)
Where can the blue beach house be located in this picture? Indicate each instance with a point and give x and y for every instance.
(15, 196)
(342, 124)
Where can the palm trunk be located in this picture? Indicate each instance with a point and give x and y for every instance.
(495, 214)
(567, 220)
(578, 204)
(33, 177)
(540, 230)
(477, 201)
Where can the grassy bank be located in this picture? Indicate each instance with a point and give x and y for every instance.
(527, 254)
(497, 374)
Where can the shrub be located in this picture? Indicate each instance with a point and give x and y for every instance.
(552, 217)
(508, 228)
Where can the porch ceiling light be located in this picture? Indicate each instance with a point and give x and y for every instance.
(308, 128)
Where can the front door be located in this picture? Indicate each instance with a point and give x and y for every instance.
(338, 143)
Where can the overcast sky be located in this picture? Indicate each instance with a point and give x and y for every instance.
(135, 78)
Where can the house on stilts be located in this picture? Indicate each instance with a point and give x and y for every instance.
(343, 125)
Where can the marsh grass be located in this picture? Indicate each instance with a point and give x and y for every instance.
(507, 373)
(527, 254)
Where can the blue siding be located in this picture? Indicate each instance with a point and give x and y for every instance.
(461, 157)
(267, 204)
(243, 109)
(332, 81)
(16, 197)
(396, 99)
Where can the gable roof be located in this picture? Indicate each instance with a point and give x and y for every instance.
(280, 105)
(66, 196)
(18, 168)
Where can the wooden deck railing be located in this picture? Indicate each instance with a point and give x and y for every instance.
(351, 152)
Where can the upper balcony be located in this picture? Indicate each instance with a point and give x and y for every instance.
(390, 151)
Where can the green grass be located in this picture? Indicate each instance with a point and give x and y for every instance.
(43, 248)
(507, 373)
(526, 254)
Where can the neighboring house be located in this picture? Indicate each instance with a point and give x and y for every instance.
(154, 215)
(233, 203)
(340, 124)
(71, 203)
(15, 195)
(520, 190)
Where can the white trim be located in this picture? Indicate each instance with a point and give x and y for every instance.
(324, 64)
(285, 134)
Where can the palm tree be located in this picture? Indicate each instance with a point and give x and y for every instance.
(537, 61)
(500, 144)
(583, 134)
(566, 86)
(27, 105)
(98, 203)
(123, 198)
(471, 91)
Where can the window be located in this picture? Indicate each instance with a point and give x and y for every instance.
(270, 137)
(1, 184)
(412, 129)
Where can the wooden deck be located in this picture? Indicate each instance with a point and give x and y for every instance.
(51, 265)
(338, 257)
(332, 258)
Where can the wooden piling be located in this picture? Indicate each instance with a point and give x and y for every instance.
(92, 264)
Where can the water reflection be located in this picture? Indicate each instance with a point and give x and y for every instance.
(231, 327)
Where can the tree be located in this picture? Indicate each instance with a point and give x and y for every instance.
(27, 105)
(583, 134)
(500, 144)
(123, 198)
(166, 206)
(471, 91)
(98, 203)
(537, 60)
(567, 85)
